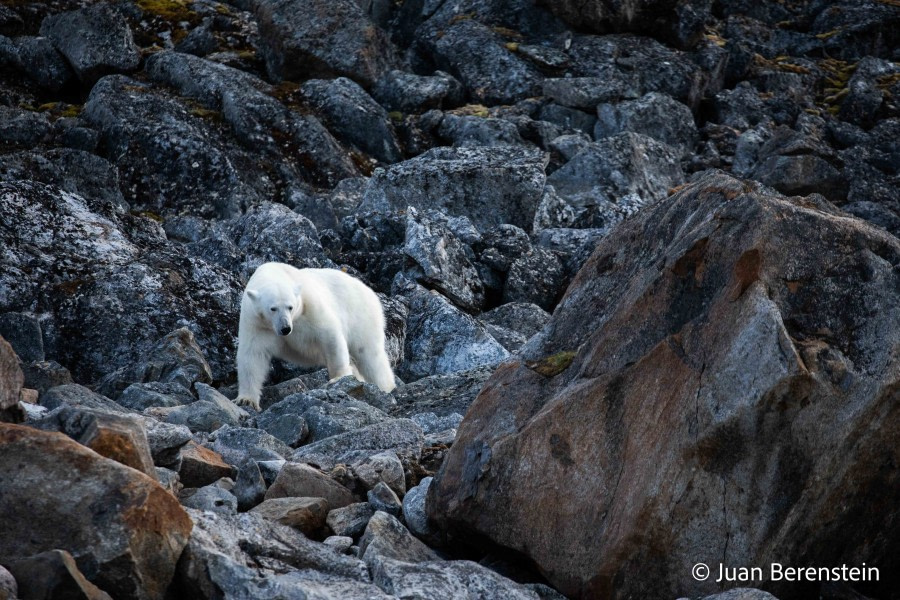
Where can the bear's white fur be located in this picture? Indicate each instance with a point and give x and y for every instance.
(310, 317)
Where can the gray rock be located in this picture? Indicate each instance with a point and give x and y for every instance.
(441, 394)
(801, 175)
(479, 58)
(141, 396)
(488, 185)
(369, 393)
(334, 39)
(350, 520)
(212, 498)
(414, 513)
(354, 116)
(237, 443)
(325, 412)
(445, 579)
(176, 358)
(270, 469)
(382, 467)
(469, 130)
(42, 63)
(740, 107)
(656, 115)
(401, 436)
(502, 245)
(301, 480)
(537, 278)
(442, 339)
(624, 172)
(553, 211)
(23, 333)
(43, 375)
(22, 127)
(77, 395)
(306, 514)
(340, 543)
(741, 594)
(431, 423)
(259, 121)
(96, 40)
(386, 537)
(52, 574)
(221, 546)
(169, 480)
(202, 415)
(570, 145)
(166, 441)
(285, 422)
(568, 118)
(521, 317)
(410, 93)
(443, 261)
(383, 498)
(249, 486)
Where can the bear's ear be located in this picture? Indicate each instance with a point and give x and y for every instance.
(252, 294)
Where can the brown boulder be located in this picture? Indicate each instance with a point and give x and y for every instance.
(124, 530)
(201, 466)
(306, 514)
(11, 380)
(302, 480)
(719, 384)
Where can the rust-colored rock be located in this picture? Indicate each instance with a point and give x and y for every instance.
(123, 529)
(302, 480)
(11, 380)
(201, 466)
(734, 398)
(306, 514)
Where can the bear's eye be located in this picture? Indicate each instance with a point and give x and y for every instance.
(290, 308)
(274, 308)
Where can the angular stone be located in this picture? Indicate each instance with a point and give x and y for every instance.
(23, 333)
(488, 185)
(237, 443)
(249, 486)
(141, 396)
(306, 514)
(414, 513)
(350, 520)
(128, 547)
(386, 537)
(727, 332)
(11, 380)
(410, 93)
(383, 498)
(201, 466)
(302, 480)
(383, 467)
(53, 574)
(96, 41)
(212, 498)
(445, 579)
(401, 436)
(441, 394)
(656, 115)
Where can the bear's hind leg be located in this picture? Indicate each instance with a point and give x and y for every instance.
(337, 358)
(375, 367)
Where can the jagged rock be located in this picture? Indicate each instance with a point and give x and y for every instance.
(306, 514)
(96, 40)
(169, 480)
(801, 175)
(568, 118)
(141, 396)
(479, 58)
(176, 358)
(536, 277)
(401, 436)
(237, 443)
(386, 537)
(442, 339)
(74, 394)
(201, 466)
(53, 574)
(445, 579)
(469, 130)
(333, 39)
(119, 437)
(622, 173)
(128, 547)
(441, 394)
(166, 442)
(655, 115)
(502, 245)
(325, 412)
(216, 559)
(212, 498)
(200, 41)
(22, 127)
(514, 323)
(431, 423)
(853, 30)
(442, 260)
(414, 512)
(11, 380)
(369, 393)
(273, 394)
(340, 543)
(553, 212)
(42, 63)
(410, 93)
(301, 480)
(382, 498)
(249, 486)
(350, 520)
(284, 420)
(202, 415)
(719, 324)
(382, 467)
(354, 116)
(259, 121)
(488, 185)
(860, 105)
(46, 374)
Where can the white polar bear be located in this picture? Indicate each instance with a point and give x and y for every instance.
(310, 317)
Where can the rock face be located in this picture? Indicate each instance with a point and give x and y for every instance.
(711, 377)
(127, 546)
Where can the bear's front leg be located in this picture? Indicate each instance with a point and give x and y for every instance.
(252, 368)
(337, 357)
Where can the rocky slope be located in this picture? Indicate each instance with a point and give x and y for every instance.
(703, 195)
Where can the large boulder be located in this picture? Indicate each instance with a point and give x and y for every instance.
(123, 529)
(720, 373)
(11, 379)
(304, 38)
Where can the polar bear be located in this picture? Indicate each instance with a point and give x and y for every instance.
(310, 317)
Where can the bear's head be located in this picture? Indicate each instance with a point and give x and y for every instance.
(277, 304)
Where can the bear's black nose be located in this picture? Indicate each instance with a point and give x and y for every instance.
(285, 330)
